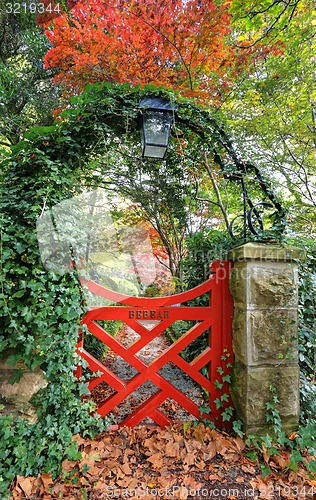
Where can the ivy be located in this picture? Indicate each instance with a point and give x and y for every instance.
(40, 310)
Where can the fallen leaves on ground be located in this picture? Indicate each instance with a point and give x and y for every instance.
(166, 463)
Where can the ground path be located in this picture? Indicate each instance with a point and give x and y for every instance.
(170, 372)
(155, 464)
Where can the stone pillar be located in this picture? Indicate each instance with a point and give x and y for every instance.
(263, 284)
(16, 397)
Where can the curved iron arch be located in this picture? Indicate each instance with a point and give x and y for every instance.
(115, 109)
(239, 173)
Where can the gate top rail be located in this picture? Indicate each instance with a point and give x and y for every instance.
(154, 301)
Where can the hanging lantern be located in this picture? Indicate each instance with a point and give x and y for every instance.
(156, 123)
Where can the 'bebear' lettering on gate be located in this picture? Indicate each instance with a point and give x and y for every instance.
(152, 314)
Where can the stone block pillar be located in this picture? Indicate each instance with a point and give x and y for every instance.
(263, 284)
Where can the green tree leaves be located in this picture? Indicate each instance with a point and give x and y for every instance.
(27, 95)
(266, 20)
(273, 117)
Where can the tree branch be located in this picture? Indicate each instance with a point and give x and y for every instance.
(169, 41)
(217, 192)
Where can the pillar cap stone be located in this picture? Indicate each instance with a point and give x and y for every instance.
(267, 252)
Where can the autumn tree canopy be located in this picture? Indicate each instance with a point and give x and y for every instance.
(174, 43)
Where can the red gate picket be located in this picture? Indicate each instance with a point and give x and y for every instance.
(217, 317)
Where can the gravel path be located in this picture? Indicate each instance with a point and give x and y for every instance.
(170, 372)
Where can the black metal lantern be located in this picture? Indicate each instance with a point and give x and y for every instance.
(156, 123)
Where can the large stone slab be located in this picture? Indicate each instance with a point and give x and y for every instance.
(16, 397)
(264, 285)
(265, 336)
(265, 252)
(251, 390)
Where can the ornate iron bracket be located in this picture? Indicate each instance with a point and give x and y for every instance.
(248, 220)
(221, 145)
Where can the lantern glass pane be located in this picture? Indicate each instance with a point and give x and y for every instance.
(154, 151)
(157, 127)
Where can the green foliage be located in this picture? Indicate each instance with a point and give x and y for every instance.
(26, 449)
(202, 249)
(152, 291)
(305, 438)
(94, 345)
(221, 385)
(205, 410)
(27, 94)
(272, 114)
(40, 311)
(266, 21)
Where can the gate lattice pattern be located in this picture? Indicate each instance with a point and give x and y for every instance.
(217, 318)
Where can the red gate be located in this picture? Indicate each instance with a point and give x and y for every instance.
(217, 317)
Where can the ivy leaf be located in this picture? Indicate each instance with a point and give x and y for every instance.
(16, 376)
(18, 294)
(252, 455)
(295, 457)
(265, 470)
(218, 403)
(312, 466)
(84, 389)
(72, 453)
(267, 441)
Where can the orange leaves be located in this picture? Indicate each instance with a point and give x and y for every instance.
(156, 460)
(175, 43)
(136, 463)
(28, 487)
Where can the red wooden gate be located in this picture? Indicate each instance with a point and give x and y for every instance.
(217, 317)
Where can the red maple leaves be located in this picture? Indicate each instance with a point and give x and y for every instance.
(174, 43)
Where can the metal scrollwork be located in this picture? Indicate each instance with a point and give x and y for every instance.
(247, 174)
(251, 219)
